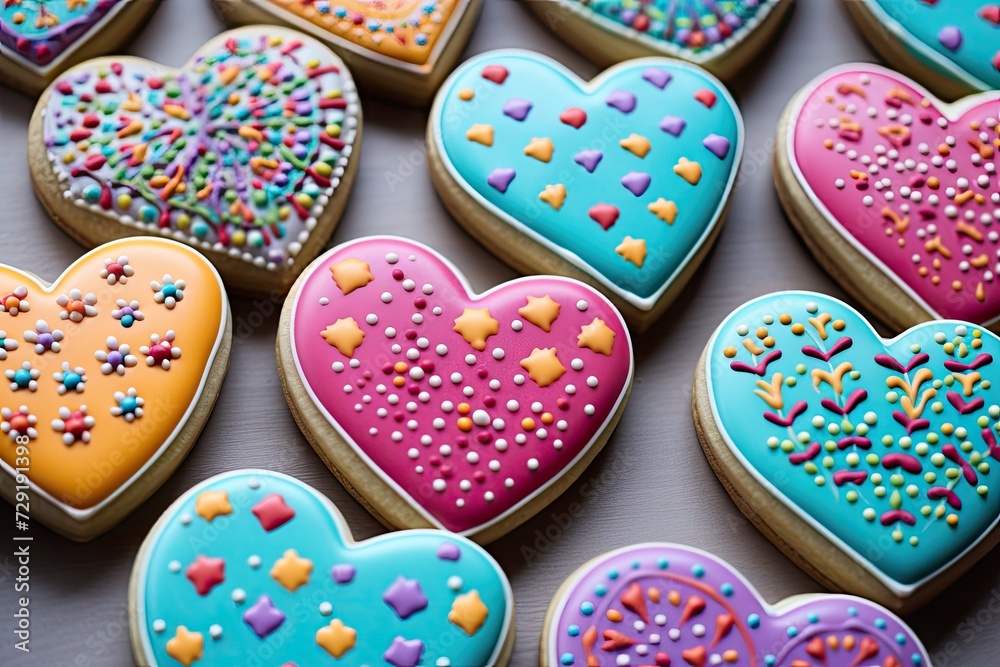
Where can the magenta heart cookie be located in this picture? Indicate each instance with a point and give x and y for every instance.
(666, 604)
(440, 407)
(897, 193)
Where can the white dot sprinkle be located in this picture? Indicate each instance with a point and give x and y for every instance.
(386, 297)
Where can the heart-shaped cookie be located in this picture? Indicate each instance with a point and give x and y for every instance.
(621, 182)
(401, 50)
(666, 604)
(440, 407)
(255, 568)
(247, 153)
(41, 38)
(722, 37)
(880, 452)
(951, 46)
(109, 374)
(896, 193)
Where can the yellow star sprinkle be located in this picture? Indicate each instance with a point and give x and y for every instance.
(554, 195)
(540, 311)
(637, 145)
(336, 638)
(597, 336)
(211, 504)
(633, 250)
(345, 335)
(543, 366)
(292, 571)
(468, 612)
(351, 274)
(689, 171)
(540, 149)
(475, 326)
(664, 210)
(481, 134)
(186, 647)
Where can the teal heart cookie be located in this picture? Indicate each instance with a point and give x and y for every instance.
(255, 568)
(888, 448)
(624, 178)
(955, 39)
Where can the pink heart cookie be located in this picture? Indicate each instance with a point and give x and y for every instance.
(440, 407)
(896, 193)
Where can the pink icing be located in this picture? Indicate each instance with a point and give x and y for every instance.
(938, 241)
(463, 479)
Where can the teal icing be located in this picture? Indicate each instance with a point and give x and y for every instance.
(317, 535)
(919, 24)
(570, 231)
(891, 488)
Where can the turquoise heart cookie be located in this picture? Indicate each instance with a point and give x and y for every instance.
(256, 568)
(625, 178)
(957, 39)
(888, 448)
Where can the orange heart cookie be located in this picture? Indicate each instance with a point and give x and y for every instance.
(109, 374)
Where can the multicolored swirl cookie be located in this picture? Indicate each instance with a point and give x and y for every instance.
(880, 453)
(400, 49)
(109, 374)
(247, 153)
(622, 182)
(253, 567)
(440, 407)
(41, 38)
(951, 46)
(723, 36)
(666, 604)
(896, 193)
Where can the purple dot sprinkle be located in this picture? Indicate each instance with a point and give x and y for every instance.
(673, 125)
(588, 159)
(448, 551)
(658, 77)
(950, 37)
(501, 178)
(517, 108)
(718, 145)
(622, 100)
(343, 573)
(636, 182)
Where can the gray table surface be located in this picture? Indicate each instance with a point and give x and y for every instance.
(654, 482)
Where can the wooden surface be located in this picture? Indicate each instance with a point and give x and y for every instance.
(651, 482)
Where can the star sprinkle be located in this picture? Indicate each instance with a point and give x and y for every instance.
(637, 145)
(597, 336)
(345, 335)
(336, 639)
(263, 617)
(116, 358)
(292, 571)
(70, 379)
(273, 512)
(543, 366)
(351, 274)
(76, 306)
(554, 195)
(540, 149)
(664, 209)
(117, 272)
(206, 573)
(210, 504)
(186, 647)
(170, 292)
(475, 325)
(540, 311)
(404, 652)
(689, 171)
(633, 250)
(468, 612)
(405, 597)
(18, 424)
(481, 134)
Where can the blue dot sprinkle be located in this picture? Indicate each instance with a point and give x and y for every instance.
(769, 659)
(727, 590)
(853, 611)
(880, 623)
(792, 631)
(573, 630)
(613, 574)
(900, 638)
(753, 620)
(587, 608)
(813, 618)
(601, 590)
(566, 659)
(917, 660)
(698, 571)
(663, 563)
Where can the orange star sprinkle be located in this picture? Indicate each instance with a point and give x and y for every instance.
(351, 274)
(345, 335)
(291, 570)
(186, 647)
(475, 325)
(336, 638)
(211, 504)
(633, 250)
(543, 366)
(540, 311)
(597, 336)
(468, 612)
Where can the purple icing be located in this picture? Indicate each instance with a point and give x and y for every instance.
(718, 145)
(678, 605)
(636, 182)
(658, 77)
(448, 551)
(501, 178)
(950, 37)
(622, 100)
(264, 617)
(588, 159)
(673, 125)
(405, 597)
(404, 652)
(517, 108)
(42, 49)
(343, 573)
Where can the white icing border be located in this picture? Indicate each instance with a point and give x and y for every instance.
(917, 46)
(472, 296)
(951, 111)
(775, 611)
(343, 532)
(898, 589)
(349, 135)
(462, 7)
(588, 88)
(108, 249)
(670, 49)
(88, 35)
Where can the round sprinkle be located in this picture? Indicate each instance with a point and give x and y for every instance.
(516, 325)
(581, 305)
(455, 583)
(386, 297)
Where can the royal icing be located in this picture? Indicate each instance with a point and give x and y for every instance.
(957, 38)
(408, 31)
(468, 406)
(86, 392)
(886, 447)
(37, 33)
(626, 176)
(665, 604)
(910, 181)
(256, 565)
(237, 153)
(696, 30)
